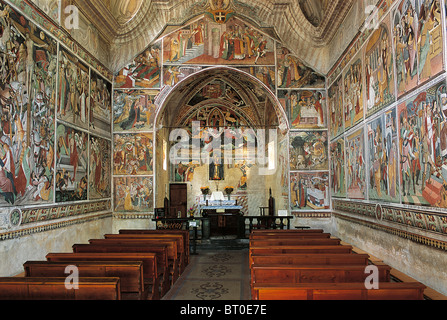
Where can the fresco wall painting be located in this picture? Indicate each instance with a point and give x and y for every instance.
(423, 147)
(27, 111)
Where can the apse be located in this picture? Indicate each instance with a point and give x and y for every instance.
(224, 128)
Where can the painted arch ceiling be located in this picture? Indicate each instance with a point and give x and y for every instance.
(129, 25)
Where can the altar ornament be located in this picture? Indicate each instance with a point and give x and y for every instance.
(229, 190)
(205, 191)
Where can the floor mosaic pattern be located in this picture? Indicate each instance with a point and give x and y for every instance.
(214, 275)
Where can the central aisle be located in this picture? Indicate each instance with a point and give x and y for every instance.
(214, 275)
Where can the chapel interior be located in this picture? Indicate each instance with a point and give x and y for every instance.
(220, 117)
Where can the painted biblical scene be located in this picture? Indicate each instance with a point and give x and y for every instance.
(72, 164)
(27, 111)
(335, 107)
(134, 194)
(309, 150)
(379, 70)
(383, 158)
(133, 154)
(423, 148)
(405, 46)
(309, 191)
(134, 110)
(338, 182)
(293, 74)
(430, 43)
(144, 72)
(206, 42)
(73, 90)
(355, 166)
(353, 93)
(174, 74)
(100, 168)
(305, 109)
(100, 105)
(264, 73)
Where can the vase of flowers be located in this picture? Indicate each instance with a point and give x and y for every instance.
(229, 190)
(205, 191)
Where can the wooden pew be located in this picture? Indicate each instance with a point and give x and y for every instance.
(178, 239)
(311, 259)
(291, 274)
(172, 253)
(294, 242)
(269, 250)
(149, 261)
(129, 273)
(51, 288)
(254, 236)
(184, 233)
(281, 231)
(160, 251)
(339, 291)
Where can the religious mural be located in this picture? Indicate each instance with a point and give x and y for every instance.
(430, 43)
(355, 165)
(27, 111)
(338, 176)
(309, 150)
(133, 110)
(379, 70)
(100, 105)
(133, 194)
(143, 72)
(73, 90)
(305, 109)
(335, 108)
(292, 73)
(100, 168)
(309, 191)
(72, 164)
(133, 154)
(423, 147)
(353, 93)
(418, 42)
(383, 158)
(266, 74)
(174, 74)
(206, 42)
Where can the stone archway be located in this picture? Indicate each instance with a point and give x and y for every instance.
(247, 106)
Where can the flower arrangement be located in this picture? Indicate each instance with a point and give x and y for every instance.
(205, 190)
(191, 212)
(229, 190)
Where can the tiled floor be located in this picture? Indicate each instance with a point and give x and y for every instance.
(214, 275)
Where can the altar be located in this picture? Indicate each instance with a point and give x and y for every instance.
(225, 216)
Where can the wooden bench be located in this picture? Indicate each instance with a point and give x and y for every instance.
(160, 251)
(184, 233)
(294, 242)
(171, 245)
(338, 291)
(177, 238)
(266, 235)
(311, 259)
(129, 273)
(262, 274)
(262, 231)
(53, 288)
(268, 250)
(149, 261)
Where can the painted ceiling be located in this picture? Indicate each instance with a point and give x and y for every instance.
(307, 26)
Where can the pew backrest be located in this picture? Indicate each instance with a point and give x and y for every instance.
(339, 291)
(130, 273)
(53, 288)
